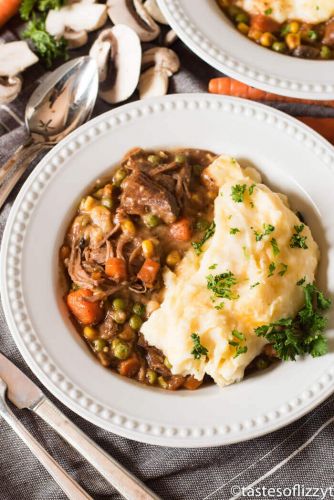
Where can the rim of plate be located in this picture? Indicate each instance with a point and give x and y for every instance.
(21, 325)
(266, 77)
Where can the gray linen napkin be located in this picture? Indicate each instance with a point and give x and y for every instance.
(295, 462)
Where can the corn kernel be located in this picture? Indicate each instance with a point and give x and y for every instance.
(267, 39)
(173, 258)
(87, 204)
(294, 27)
(128, 227)
(243, 28)
(148, 248)
(90, 333)
(107, 191)
(292, 41)
(255, 34)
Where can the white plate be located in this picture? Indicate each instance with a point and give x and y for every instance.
(292, 158)
(207, 31)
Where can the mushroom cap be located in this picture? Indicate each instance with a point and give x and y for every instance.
(132, 13)
(153, 83)
(75, 39)
(9, 88)
(15, 57)
(76, 17)
(154, 11)
(161, 58)
(117, 52)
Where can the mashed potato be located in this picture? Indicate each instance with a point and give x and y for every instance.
(266, 272)
(308, 11)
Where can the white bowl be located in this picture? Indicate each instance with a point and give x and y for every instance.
(293, 159)
(204, 28)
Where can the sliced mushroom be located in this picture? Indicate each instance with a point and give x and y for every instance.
(170, 38)
(154, 10)
(15, 57)
(75, 39)
(76, 17)
(117, 52)
(9, 88)
(159, 64)
(132, 13)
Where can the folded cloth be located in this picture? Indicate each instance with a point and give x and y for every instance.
(292, 459)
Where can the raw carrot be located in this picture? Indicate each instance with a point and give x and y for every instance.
(148, 272)
(86, 312)
(324, 126)
(181, 229)
(116, 268)
(228, 86)
(264, 23)
(129, 367)
(8, 9)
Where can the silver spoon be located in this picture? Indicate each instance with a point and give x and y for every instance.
(62, 102)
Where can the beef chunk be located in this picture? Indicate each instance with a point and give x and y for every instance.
(154, 357)
(108, 328)
(141, 195)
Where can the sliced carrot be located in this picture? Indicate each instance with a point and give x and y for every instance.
(129, 367)
(324, 126)
(192, 383)
(181, 230)
(86, 312)
(116, 268)
(228, 86)
(8, 9)
(148, 272)
(264, 23)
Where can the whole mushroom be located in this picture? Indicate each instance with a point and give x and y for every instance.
(117, 52)
(154, 10)
(132, 13)
(15, 57)
(158, 63)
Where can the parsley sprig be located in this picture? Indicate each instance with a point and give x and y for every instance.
(207, 235)
(237, 341)
(199, 350)
(267, 229)
(303, 334)
(237, 192)
(221, 285)
(297, 240)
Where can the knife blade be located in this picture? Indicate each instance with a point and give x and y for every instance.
(22, 391)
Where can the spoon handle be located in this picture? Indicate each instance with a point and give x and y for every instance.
(14, 168)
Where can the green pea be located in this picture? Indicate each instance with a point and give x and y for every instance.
(154, 159)
(135, 322)
(151, 377)
(242, 18)
(107, 202)
(121, 350)
(197, 169)
(99, 345)
(162, 382)
(151, 220)
(179, 158)
(139, 309)
(325, 52)
(279, 46)
(119, 304)
(202, 225)
(119, 317)
(119, 176)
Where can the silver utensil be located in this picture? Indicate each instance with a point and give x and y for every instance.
(70, 487)
(23, 393)
(63, 101)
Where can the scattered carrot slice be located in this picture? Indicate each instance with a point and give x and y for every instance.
(181, 229)
(129, 367)
(148, 272)
(86, 312)
(116, 268)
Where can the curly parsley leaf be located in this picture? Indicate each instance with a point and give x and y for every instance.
(251, 189)
(283, 270)
(237, 192)
(221, 285)
(26, 9)
(297, 240)
(274, 246)
(303, 334)
(199, 350)
(267, 229)
(207, 235)
(234, 230)
(47, 46)
(272, 267)
(45, 5)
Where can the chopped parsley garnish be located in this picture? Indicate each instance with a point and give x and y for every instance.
(240, 349)
(267, 229)
(297, 240)
(274, 246)
(268, 11)
(272, 267)
(219, 306)
(207, 235)
(301, 281)
(234, 230)
(303, 334)
(312, 35)
(246, 252)
(255, 284)
(238, 192)
(221, 285)
(199, 350)
(251, 189)
(283, 270)
(213, 266)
